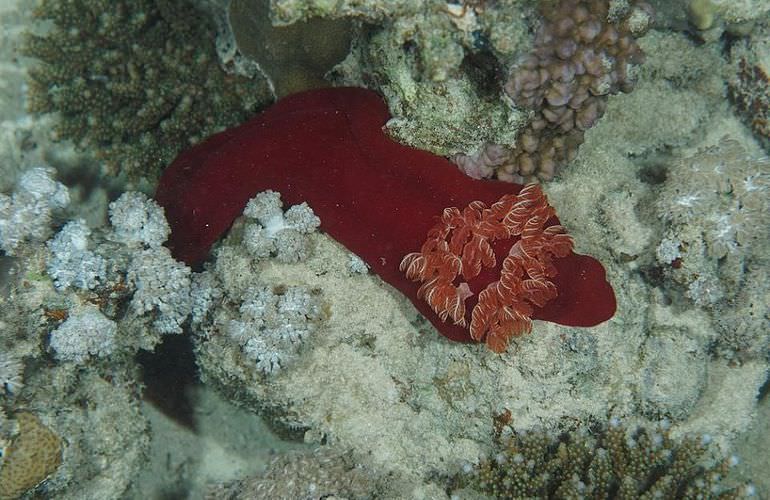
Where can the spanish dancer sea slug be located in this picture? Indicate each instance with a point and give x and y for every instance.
(478, 258)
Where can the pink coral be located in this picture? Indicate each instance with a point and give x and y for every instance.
(583, 52)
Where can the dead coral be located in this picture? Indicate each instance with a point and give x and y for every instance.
(302, 475)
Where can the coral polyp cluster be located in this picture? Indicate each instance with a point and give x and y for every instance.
(584, 52)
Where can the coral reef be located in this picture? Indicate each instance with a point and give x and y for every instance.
(345, 130)
(162, 288)
(71, 263)
(271, 327)
(84, 333)
(383, 357)
(750, 85)
(136, 81)
(584, 52)
(33, 455)
(714, 243)
(284, 325)
(27, 214)
(617, 461)
(294, 58)
(436, 63)
(276, 233)
(265, 326)
(440, 42)
(86, 388)
(321, 473)
(717, 16)
(138, 221)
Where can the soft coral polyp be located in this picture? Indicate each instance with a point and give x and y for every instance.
(377, 197)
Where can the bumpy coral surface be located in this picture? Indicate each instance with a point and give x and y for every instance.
(326, 147)
(33, 456)
(584, 51)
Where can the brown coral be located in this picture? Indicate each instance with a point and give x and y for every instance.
(33, 455)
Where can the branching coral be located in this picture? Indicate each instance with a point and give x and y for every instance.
(124, 261)
(613, 462)
(136, 80)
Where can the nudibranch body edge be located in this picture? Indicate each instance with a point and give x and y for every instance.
(380, 199)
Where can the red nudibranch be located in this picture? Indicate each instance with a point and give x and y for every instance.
(478, 258)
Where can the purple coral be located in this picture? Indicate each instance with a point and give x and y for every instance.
(583, 52)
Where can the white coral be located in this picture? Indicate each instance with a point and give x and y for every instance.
(84, 334)
(273, 232)
(138, 220)
(70, 262)
(272, 326)
(162, 286)
(28, 212)
(205, 292)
